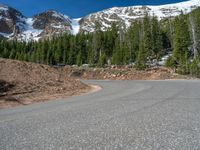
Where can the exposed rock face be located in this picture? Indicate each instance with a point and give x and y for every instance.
(13, 25)
(11, 20)
(52, 23)
(50, 17)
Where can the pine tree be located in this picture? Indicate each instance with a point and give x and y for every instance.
(102, 60)
(141, 57)
(156, 37)
(97, 42)
(79, 60)
(12, 54)
(133, 39)
(90, 57)
(145, 47)
(59, 52)
(194, 20)
(181, 40)
(117, 54)
(72, 53)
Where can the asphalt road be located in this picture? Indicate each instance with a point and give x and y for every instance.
(153, 115)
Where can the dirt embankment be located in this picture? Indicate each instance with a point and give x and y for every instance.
(24, 83)
(124, 73)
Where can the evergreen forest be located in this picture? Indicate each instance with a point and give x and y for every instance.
(146, 41)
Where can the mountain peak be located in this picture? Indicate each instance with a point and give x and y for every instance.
(53, 23)
(126, 15)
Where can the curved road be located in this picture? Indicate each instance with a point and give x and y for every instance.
(152, 115)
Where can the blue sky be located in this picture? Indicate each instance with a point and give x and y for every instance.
(76, 8)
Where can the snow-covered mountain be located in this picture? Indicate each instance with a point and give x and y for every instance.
(14, 25)
(126, 15)
(47, 24)
(11, 21)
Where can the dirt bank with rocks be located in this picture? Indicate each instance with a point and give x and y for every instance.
(23, 83)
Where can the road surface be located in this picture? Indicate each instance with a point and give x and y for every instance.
(152, 115)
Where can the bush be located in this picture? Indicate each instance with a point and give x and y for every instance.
(102, 60)
(195, 68)
(183, 69)
(170, 62)
(140, 66)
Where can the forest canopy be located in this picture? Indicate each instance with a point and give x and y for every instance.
(147, 40)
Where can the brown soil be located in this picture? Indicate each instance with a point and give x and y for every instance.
(125, 73)
(22, 83)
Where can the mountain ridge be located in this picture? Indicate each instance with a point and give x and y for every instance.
(52, 23)
(126, 15)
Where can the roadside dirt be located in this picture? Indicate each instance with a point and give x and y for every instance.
(124, 73)
(23, 83)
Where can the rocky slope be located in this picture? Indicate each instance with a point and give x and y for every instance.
(13, 25)
(11, 21)
(126, 15)
(51, 23)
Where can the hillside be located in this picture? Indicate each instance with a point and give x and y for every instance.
(25, 83)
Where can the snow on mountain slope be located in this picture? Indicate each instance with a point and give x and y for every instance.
(126, 15)
(3, 7)
(14, 25)
(47, 24)
(30, 33)
(11, 21)
(75, 26)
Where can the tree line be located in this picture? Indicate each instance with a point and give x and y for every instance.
(147, 39)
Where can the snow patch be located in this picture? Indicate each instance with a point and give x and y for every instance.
(126, 14)
(5, 35)
(30, 33)
(75, 26)
(61, 16)
(3, 7)
(163, 60)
